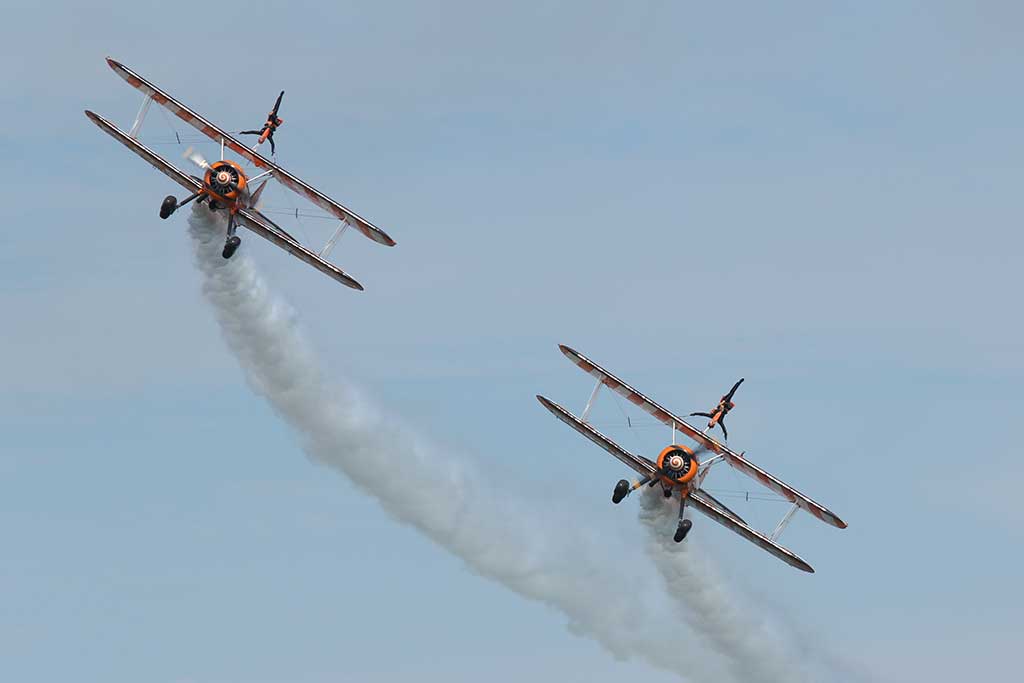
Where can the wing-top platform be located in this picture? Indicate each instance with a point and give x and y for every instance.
(734, 459)
(250, 220)
(217, 134)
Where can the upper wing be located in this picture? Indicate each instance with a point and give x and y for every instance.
(216, 134)
(700, 500)
(736, 460)
(643, 466)
(253, 222)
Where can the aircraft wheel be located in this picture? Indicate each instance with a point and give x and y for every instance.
(231, 246)
(620, 492)
(667, 492)
(168, 206)
(213, 205)
(684, 528)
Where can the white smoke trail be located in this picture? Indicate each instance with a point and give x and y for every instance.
(447, 499)
(755, 652)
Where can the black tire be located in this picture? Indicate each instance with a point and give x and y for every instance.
(231, 246)
(621, 491)
(684, 528)
(168, 206)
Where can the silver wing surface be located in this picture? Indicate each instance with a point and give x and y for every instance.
(641, 465)
(734, 459)
(295, 249)
(701, 501)
(148, 155)
(217, 134)
(244, 216)
(722, 506)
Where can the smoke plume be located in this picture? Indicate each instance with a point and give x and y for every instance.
(450, 500)
(755, 652)
(445, 497)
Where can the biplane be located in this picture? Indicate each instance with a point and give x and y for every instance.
(681, 469)
(226, 186)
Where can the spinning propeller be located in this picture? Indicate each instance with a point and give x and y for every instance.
(675, 465)
(196, 158)
(224, 179)
(678, 463)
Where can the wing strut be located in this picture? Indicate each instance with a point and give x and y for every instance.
(329, 247)
(785, 522)
(140, 117)
(590, 401)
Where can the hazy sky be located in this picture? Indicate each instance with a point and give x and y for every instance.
(817, 197)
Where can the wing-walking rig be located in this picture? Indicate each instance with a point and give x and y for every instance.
(226, 186)
(681, 469)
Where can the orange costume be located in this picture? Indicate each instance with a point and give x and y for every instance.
(267, 131)
(725, 404)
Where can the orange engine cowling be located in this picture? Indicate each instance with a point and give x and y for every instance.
(677, 463)
(226, 179)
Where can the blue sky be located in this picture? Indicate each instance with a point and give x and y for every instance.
(818, 198)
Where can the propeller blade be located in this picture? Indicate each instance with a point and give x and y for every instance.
(196, 158)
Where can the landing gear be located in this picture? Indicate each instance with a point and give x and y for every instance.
(231, 246)
(169, 205)
(621, 491)
(684, 524)
(233, 240)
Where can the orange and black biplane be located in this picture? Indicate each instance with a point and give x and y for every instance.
(680, 469)
(226, 186)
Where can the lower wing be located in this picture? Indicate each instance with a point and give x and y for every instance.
(701, 501)
(252, 220)
(256, 225)
(642, 466)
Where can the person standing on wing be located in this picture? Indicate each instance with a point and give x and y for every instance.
(717, 416)
(267, 131)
